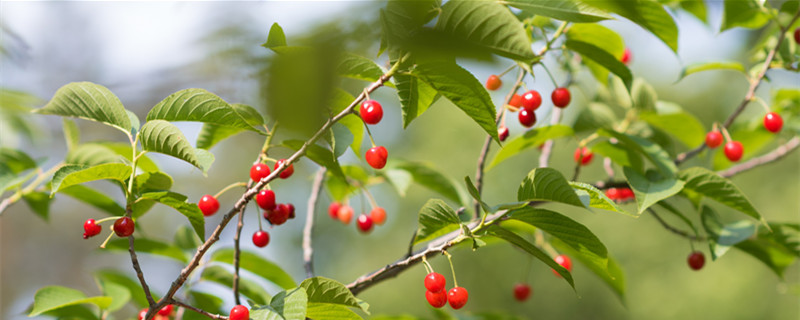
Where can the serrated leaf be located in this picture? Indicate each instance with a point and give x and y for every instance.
(519, 242)
(88, 101)
(72, 135)
(613, 276)
(415, 97)
(94, 198)
(650, 191)
(462, 89)
(197, 105)
(16, 160)
(360, 68)
(248, 288)
(564, 10)
(163, 137)
(647, 148)
(428, 177)
(547, 184)
(648, 14)
(257, 265)
(530, 139)
(324, 290)
(119, 278)
(711, 185)
(39, 202)
(402, 20)
(286, 305)
(597, 198)
(276, 37)
(319, 155)
(186, 239)
(325, 311)
(56, 297)
(743, 13)
(124, 149)
(602, 57)
(705, 66)
(120, 295)
(70, 175)
(436, 218)
(682, 125)
(150, 246)
(178, 202)
(211, 134)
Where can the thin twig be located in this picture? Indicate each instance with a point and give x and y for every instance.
(772, 156)
(236, 255)
(198, 310)
(676, 230)
(139, 274)
(547, 149)
(308, 250)
(411, 244)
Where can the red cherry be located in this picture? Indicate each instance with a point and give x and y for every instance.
(291, 210)
(522, 291)
(560, 97)
(583, 156)
(527, 117)
(208, 205)
(531, 100)
(166, 310)
(142, 314)
(733, 150)
(565, 262)
(259, 171)
(123, 227)
(773, 122)
(279, 215)
(435, 282)
(457, 297)
(364, 223)
(376, 157)
(516, 101)
(713, 139)
(613, 193)
(797, 35)
(493, 82)
(436, 299)
(626, 56)
(625, 194)
(91, 229)
(261, 238)
(345, 214)
(371, 112)
(239, 312)
(696, 260)
(502, 133)
(378, 215)
(333, 210)
(266, 199)
(286, 173)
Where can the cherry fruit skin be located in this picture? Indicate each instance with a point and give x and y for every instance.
(345, 214)
(436, 299)
(457, 297)
(583, 156)
(696, 260)
(626, 56)
(625, 193)
(531, 100)
(527, 117)
(259, 171)
(773, 122)
(713, 139)
(797, 35)
(613, 194)
(266, 199)
(378, 215)
(279, 215)
(733, 150)
(239, 312)
(286, 173)
(291, 210)
(435, 282)
(208, 205)
(364, 223)
(516, 101)
(333, 209)
(561, 97)
(124, 227)
(91, 229)
(376, 157)
(371, 112)
(565, 262)
(166, 310)
(261, 238)
(493, 82)
(522, 291)
(502, 133)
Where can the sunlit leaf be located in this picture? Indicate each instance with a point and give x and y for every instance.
(55, 297)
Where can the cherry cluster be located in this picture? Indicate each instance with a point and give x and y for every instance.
(437, 296)
(620, 194)
(733, 149)
(123, 227)
(364, 222)
(164, 314)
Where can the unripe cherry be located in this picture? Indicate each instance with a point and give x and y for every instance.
(493, 82)
(515, 101)
(345, 214)
(378, 215)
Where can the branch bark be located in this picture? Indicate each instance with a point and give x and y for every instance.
(772, 156)
(236, 255)
(198, 310)
(308, 250)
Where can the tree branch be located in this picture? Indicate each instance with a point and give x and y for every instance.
(547, 148)
(135, 262)
(772, 156)
(198, 310)
(308, 250)
(236, 255)
(675, 230)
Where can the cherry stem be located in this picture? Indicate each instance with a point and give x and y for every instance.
(549, 74)
(371, 140)
(371, 199)
(452, 270)
(229, 187)
(267, 142)
(366, 93)
(726, 134)
(761, 102)
(715, 127)
(427, 265)
(511, 67)
(103, 246)
(260, 227)
(105, 219)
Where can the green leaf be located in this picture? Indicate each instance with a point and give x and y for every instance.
(339, 188)
(341, 139)
(705, 66)
(320, 311)
(119, 278)
(643, 95)
(486, 24)
(530, 139)
(39, 202)
(197, 105)
(94, 198)
(72, 135)
(204, 301)
(473, 191)
(595, 116)
(150, 246)
(680, 124)
(248, 288)
(288, 305)
(647, 148)
(547, 184)
(462, 89)
(340, 101)
(324, 290)
(648, 14)
(415, 97)
(257, 265)
(723, 237)
(163, 137)
(597, 35)
(428, 177)
(519, 242)
(88, 101)
(402, 20)
(604, 58)
(119, 294)
(651, 190)
(564, 10)
(619, 154)
(319, 155)
(16, 160)
(613, 276)
(186, 239)
(597, 199)
(276, 37)
(436, 218)
(743, 13)
(70, 175)
(74, 312)
(152, 181)
(696, 8)
(360, 68)
(56, 297)
(709, 184)
(211, 134)
(399, 179)
(124, 150)
(770, 252)
(178, 202)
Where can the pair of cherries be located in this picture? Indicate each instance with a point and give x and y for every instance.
(372, 113)
(364, 222)
(162, 314)
(123, 227)
(619, 194)
(438, 297)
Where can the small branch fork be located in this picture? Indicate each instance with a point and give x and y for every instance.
(198, 310)
(674, 230)
(308, 250)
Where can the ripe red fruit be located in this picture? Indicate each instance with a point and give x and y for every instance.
(266, 199)
(531, 100)
(344, 214)
(435, 282)
(502, 133)
(516, 101)
(522, 291)
(333, 210)
(279, 215)
(364, 223)
(142, 313)
(208, 205)
(797, 35)
(560, 97)
(583, 156)
(291, 210)
(565, 262)
(259, 171)
(613, 193)
(376, 157)
(239, 312)
(713, 139)
(625, 193)
(773, 122)
(696, 260)
(261, 238)
(733, 150)
(378, 215)
(371, 112)
(436, 299)
(626, 56)
(123, 227)
(286, 173)
(527, 117)
(91, 229)
(166, 310)
(457, 297)
(493, 82)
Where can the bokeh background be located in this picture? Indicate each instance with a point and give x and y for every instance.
(145, 51)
